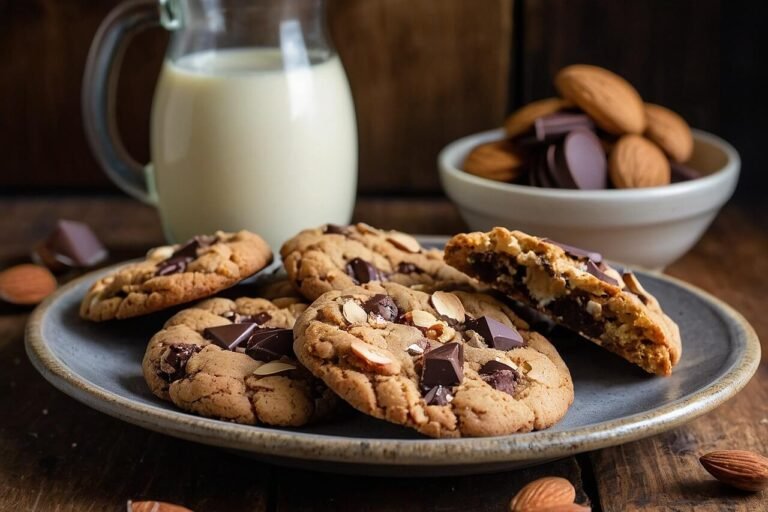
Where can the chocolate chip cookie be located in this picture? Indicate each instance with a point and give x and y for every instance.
(233, 360)
(447, 364)
(576, 289)
(337, 257)
(173, 275)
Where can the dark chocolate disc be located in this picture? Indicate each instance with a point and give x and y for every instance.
(580, 160)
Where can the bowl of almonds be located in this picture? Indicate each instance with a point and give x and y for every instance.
(595, 167)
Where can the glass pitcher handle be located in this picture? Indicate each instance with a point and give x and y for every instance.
(102, 70)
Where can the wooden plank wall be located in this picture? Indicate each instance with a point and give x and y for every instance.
(422, 73)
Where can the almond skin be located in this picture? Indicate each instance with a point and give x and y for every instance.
(636, 162)
(571, 507)
(522, 119)
(741, 469)
(669, 131)
(607, 98)
(26, 284)
(550, 491)
(154, 506)
(500, 161)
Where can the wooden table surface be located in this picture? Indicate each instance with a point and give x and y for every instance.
(56, 454)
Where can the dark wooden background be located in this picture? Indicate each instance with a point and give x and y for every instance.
(423, 72)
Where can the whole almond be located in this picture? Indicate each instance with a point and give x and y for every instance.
(154, 506)
(738, 468)
(669, 131)
(522, 119)
(636, 162)
(447, 304)
(26, 284)
(374, 358)
(550, 491)
(499, 161)
(607, 98)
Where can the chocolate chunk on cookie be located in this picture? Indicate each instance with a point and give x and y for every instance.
(204, 361)
(411, 364)
(333, 258)
(574, 288)
(173, 275)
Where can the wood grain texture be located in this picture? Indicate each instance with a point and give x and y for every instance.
(663, 472)
(422, 74)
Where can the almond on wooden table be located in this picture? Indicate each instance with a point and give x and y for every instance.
(26, 284)
(550, 491)
(741, 469)
(154, 506)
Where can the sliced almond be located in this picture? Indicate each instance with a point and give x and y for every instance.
(354, 313)
(403, 241)
(367, 229)
(272, 368)
(375, 358)
(447, 304)
(447, 334)
(160, 253)
(422, 319)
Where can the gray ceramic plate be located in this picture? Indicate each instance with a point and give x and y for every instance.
(100, 365)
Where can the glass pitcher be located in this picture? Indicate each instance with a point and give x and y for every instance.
(253, 125)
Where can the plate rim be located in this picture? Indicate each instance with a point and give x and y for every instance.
(426, 452)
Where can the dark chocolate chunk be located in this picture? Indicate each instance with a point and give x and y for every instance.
(408, 268)
(172, 266)
(500, 376)
(682, 172)
(556, 125)
(496, 334)
(229, 336)
(334, 229)
(570, 312)
(174, 361)
(270, 344)
(383, 306)
(72, 244)
(190, 247)
(438, 395)
(580, 161)
(443, 366)
(598, 273)
(576, 252)
(362, 271)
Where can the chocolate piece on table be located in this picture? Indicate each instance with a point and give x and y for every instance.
(270, 344)
(383, 306)
(576, 252)
(593, 269)
(580, 160)
(496, 334)
(681, 172)
(362, 271)
(175, 360)
(229, 336)
(443, 366)
(72, 244)
(438, 395)
(559, 124)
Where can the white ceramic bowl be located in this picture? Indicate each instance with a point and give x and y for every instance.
(648, 227)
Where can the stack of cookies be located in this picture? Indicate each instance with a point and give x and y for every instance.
(369, 317)
(597, 134)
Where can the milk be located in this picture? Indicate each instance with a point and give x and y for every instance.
(241, 142)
